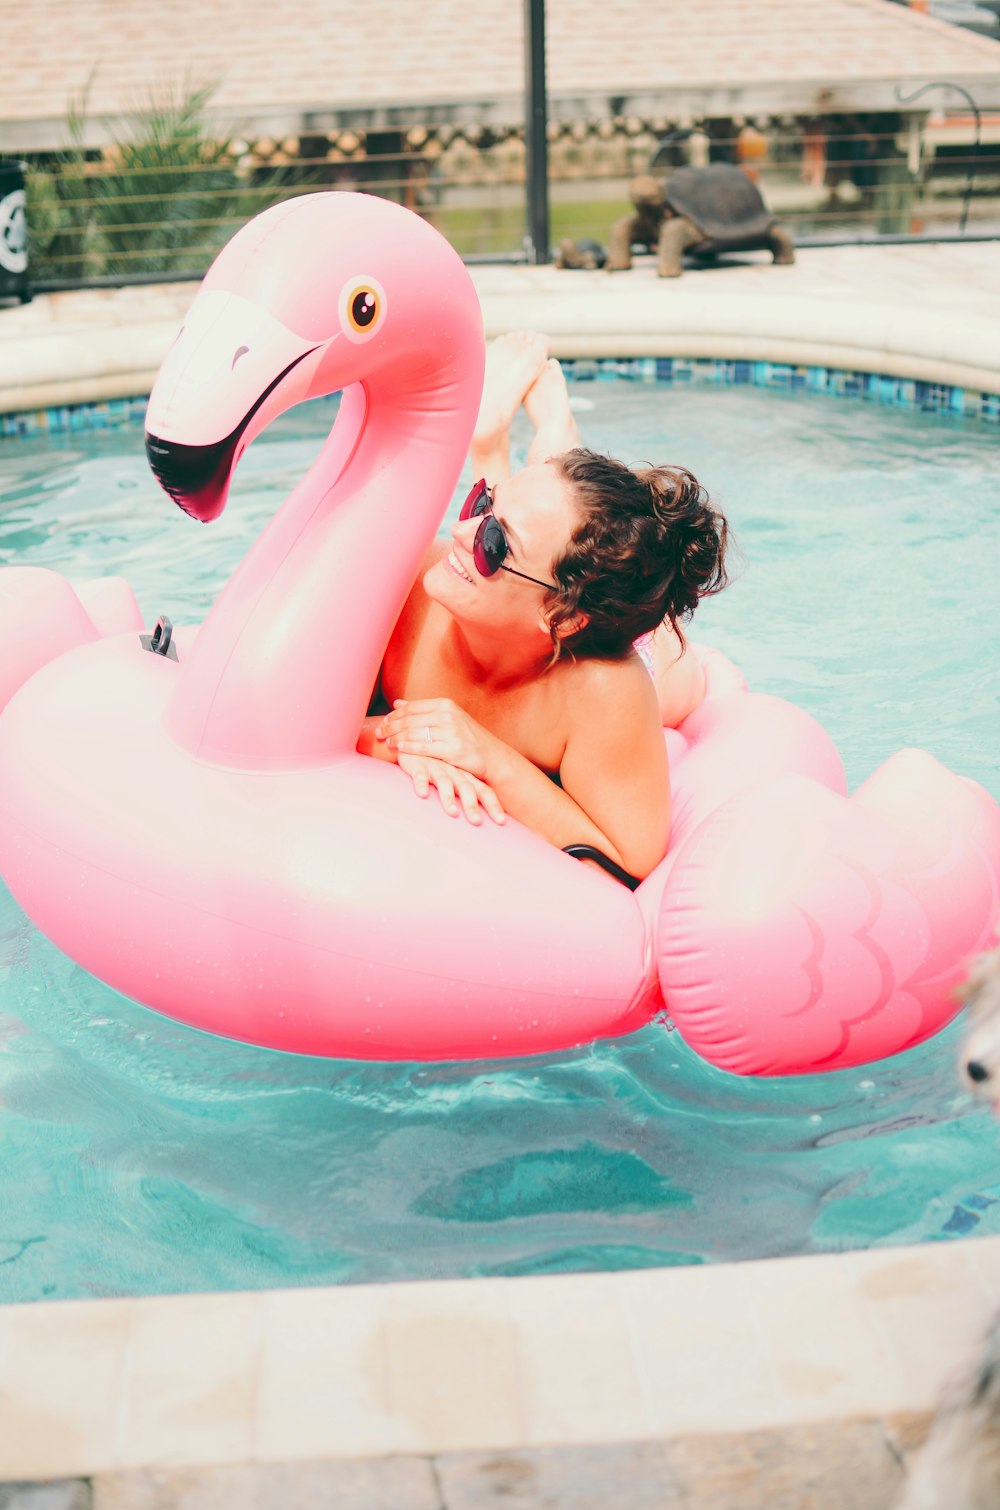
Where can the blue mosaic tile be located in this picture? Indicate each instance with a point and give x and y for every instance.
(873, 387)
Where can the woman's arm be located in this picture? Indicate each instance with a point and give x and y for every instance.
(574, 813)
(367, 743)
(615, 767)
(615, 791)
(458, 791)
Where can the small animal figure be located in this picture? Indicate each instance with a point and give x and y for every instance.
(702, 211)
(958, 1467)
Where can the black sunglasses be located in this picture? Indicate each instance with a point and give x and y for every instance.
(490, 545)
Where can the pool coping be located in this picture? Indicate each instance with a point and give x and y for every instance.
(926, 313)
(372, 1372)
(427, 1368)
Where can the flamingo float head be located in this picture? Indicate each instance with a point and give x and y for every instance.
(311, 296)
(325, 292)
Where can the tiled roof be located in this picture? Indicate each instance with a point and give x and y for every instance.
(291, 57)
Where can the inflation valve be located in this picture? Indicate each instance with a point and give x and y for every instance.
(160, 642)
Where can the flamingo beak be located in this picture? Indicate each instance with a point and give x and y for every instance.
(197, 477)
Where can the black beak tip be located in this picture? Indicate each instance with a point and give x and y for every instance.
(195, 477)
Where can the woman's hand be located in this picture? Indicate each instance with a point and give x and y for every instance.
(438, 728)
(457, 789)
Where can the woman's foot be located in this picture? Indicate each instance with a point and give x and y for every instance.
(513, 362)
(547, 404)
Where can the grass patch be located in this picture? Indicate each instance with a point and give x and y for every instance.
(500, 228)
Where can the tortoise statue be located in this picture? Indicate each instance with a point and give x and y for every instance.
(703, 211)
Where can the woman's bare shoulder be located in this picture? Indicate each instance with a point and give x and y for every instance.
(626, 678)
(619, 690)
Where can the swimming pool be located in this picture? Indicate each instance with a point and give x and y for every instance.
(140, 1156)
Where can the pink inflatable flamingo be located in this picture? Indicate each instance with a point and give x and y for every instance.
(196, 828)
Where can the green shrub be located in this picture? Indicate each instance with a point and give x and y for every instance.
(162, 197)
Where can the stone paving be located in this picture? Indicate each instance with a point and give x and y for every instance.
(850, 1465)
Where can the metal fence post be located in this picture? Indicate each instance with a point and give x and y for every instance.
(536, 144)
(909, 99)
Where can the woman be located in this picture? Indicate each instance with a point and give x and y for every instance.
(511, 675)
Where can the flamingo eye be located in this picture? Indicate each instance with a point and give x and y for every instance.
(362, 308)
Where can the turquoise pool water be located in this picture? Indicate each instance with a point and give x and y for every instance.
(139, 1156)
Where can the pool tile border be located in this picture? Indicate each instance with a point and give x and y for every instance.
(105, 414)
(832, 382)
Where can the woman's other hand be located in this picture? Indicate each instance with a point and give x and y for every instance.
(438, 728)
(458, 790)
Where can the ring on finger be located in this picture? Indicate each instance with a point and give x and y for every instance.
(428, 736)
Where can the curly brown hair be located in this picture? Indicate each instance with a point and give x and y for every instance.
(649, 548)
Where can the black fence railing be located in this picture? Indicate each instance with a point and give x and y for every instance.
(162, 205)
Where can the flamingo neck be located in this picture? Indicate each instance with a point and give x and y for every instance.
(282, 669)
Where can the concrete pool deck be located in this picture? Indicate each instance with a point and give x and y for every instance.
(930, 312)
(799, 1382)
(779, 1373)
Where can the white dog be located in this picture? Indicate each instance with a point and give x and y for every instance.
(980, 1057)
(959, 1465)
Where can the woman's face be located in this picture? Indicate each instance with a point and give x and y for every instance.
(538, 514)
